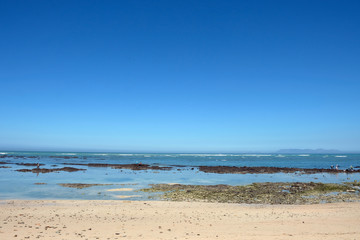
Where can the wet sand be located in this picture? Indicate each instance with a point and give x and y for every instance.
(82, 219)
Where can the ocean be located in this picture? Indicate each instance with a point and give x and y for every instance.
(184, 170)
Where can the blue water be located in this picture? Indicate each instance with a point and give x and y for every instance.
(18, 185)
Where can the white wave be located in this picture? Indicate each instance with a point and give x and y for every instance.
(341, 156)
(280, 156)
(255, 155)
(223, 155)
(3, 153)
(115, 154)
(204, 155)
(303, 155)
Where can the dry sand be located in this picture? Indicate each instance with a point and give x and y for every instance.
(175, 220)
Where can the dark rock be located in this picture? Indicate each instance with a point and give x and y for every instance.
(46, 170)
(30, 164)
(80, 185)
(121, 166)
(257, 170)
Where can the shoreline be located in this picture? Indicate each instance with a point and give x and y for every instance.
(109, 219)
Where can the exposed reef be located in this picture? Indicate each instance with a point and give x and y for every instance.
(47, 170)
(121, 166)
(30, 164)
(260, 193)
(258, 170)
(206, 169)
(81, 185)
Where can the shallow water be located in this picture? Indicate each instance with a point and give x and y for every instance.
(20, 185)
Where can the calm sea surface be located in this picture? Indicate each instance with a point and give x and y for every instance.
(20, 185)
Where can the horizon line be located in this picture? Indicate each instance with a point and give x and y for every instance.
(280, 151)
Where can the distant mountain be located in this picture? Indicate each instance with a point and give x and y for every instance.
(319, 150)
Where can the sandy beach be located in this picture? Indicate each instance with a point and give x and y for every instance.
(82, 219)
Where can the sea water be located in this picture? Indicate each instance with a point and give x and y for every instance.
(22, 185)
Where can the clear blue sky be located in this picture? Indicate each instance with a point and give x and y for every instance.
(179, 76)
